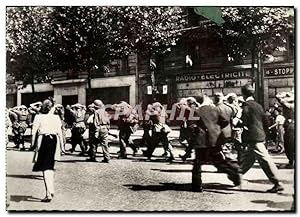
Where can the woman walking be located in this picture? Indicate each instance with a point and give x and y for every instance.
(46, 133)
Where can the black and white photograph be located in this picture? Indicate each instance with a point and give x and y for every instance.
(150, 108)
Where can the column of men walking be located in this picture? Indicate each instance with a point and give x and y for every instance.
(229, 123)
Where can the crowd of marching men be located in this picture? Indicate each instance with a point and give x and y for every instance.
(224, 124)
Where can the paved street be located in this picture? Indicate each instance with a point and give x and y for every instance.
(135, 184)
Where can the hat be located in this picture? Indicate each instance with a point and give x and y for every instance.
(248, 90)
(219, 94)
(58, 106)
(231, 96)
(92, 105)
(98, 103)
(241, 99)
(22, 107)
(77, 105)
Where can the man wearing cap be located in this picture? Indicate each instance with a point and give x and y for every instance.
(253, 121)
(99, 131)
(78, 112)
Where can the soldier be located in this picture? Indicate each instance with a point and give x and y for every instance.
(227, 112)
(286, 99)
(91, 128)
(128, 124)
(160, 131)
(20, 123)
(59, 110)
(78, 128)
(99, 132)
(190, 104)
(33, 110)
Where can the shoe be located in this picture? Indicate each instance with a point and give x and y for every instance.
(170, 159)
(164, 154)
(81, 154)
(134, 152)
(197, 189)
(31, 149)
(122, 157)
(22, 149)
(289, 166)
(46, 200)
(237, 180)
(145, 153)
(91, 160)
(105, 161)
(275, 189)
(183, 158)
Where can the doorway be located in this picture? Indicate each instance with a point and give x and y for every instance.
(69, 100)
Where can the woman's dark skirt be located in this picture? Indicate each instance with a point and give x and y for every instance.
(45, 160)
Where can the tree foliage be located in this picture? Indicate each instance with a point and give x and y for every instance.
(255, 29)
(27, 38)
(44, 39)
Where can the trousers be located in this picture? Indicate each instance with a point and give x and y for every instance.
(102, 140)
(289, 142)
(124, 138)
(216, 157)
(259, 152)
(163, 138)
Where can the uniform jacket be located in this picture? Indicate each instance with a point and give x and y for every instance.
(228, 113)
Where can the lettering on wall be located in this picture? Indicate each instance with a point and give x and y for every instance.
(214, 76)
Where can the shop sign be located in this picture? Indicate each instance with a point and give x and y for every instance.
(214, 76)
(279, 72)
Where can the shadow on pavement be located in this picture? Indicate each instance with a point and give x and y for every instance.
(266, 181)
(278, 165)
(287, 205)
(181, 171)
(211, 187)
(72, 161)
(26, 176)
(173, 171)
(159, 160)
(19, 198)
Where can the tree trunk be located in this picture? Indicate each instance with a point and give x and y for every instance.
(32, 83)
(254, 72)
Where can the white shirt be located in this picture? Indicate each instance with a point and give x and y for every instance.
(280, 120)
(46, 124)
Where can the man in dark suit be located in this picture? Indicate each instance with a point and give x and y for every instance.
(207, 144)
(253, 121)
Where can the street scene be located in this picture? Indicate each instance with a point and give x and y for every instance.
(142, 109)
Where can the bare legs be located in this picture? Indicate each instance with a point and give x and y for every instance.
(49, 183)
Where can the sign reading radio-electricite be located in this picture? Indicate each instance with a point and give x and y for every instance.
(214, 76)
(279, 71)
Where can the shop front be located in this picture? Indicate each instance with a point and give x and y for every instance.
(210, 82)
(277, 78)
